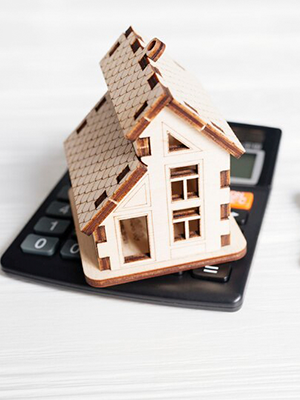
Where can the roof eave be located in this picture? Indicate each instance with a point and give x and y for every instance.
(113, 201)
(206, 128)
(153, 111)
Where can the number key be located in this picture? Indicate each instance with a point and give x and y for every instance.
(63, 194)
(70, 250)
(241, 200)
(59, 209)
(51, 226)
(40, 245)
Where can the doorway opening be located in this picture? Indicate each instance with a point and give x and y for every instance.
(135, 239)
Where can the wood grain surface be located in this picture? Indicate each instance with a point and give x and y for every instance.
(51, 344)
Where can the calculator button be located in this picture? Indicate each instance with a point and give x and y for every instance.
(63, 193)
(216, 273)
(51, 226)
(240, 216)
(70, 250)
(59, 209)
(241, 200)
(41, 245)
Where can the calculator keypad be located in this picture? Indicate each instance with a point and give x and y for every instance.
(51, 226)
(59, 209)
(63, 194)
(70, 250)
(40, 245)
(58, 230)
(241, 200)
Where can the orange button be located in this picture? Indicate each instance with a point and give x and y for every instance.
(241, 200)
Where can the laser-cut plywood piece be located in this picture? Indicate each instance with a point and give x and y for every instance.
(138, 200)
(145, 203)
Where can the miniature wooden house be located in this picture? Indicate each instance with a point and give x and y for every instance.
(150, 171)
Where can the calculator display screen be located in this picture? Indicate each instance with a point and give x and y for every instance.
(243, 167)
(247, 169)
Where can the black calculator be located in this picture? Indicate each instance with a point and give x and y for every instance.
(46, 249)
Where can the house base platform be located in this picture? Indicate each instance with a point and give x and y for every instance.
(96, 278)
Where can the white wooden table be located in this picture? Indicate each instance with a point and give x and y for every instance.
(55, 343)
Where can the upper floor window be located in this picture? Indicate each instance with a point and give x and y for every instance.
(175, 144)
(184, 182)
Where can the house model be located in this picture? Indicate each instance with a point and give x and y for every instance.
(150, 171)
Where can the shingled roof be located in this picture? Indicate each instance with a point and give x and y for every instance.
(142, 80)
(102, 163)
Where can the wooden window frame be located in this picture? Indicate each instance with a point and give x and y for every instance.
(182, 208)
(185, 216)
(187, 173)
(175, 148)
(132, 259)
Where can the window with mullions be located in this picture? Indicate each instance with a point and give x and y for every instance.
(186, 223)
(185, 182)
